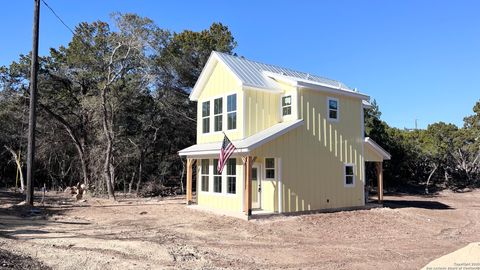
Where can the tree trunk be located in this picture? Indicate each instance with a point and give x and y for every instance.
(108, 152)
(19, 166)
(130, 185)
(140, 167)
(429, 177)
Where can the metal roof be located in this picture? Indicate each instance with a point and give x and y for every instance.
(246, 145)
(251, 73)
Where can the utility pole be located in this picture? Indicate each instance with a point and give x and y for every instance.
(32, 119)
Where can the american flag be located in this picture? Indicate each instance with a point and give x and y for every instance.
(227, 150)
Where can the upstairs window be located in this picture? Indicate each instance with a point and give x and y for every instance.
(206, 117)
(232, 111)
(349, 175)
(232, 176)
(270, 168)
(286, 105)
(217, 114)
(333, 107)
(205, 174)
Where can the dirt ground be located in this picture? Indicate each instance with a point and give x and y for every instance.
(158, 233)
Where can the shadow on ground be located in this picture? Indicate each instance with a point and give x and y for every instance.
(432, 205)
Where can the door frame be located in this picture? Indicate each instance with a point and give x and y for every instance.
(258, 189)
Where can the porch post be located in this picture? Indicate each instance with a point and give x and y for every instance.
(380, 181)
(189, 180)
(248, 186)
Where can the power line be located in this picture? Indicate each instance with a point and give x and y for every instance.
(58, 17)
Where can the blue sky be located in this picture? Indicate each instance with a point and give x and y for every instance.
(418, 59)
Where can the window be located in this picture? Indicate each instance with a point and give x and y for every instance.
(232, 111)
(232, 176)
(206, 117)
(217, 114)
(286, 105)
(205, 174)
(332, 108)
(217, 178)
(349, 175)
(269, 168)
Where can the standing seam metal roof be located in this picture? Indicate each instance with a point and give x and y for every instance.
(251, 72)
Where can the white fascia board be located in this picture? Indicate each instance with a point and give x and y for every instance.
(212, 62)
(378, 148)
(332, 90)
(286, 79)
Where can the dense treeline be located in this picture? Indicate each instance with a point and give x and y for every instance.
(441, 156)
(113, 105)
(113, 111)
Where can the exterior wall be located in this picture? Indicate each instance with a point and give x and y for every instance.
(222, 201)
(263, 109)
(221, 83)
(313, 156)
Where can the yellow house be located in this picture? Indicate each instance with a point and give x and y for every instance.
(299, 140)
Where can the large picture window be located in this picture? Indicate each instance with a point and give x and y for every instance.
(217, 178)
(232, 176)
(206, 117)
(270, 168)
(286, 105)
(232, 111)
(349, 175)
(333, 108)
(217, 114)
(205, 174)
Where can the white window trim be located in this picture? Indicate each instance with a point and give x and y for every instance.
(328, 109)
(224, 192)
(224, 115)
(227, 112)
(204, 117)
(221, 113)
(291, 105)
(203, 174)
(213, 179)
(345, 175)
(267, 168)
(230, 175)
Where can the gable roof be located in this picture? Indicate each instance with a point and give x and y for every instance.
(246, 145)
(377, 148)
(258, 75)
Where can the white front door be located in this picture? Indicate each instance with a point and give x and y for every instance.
(256, 187)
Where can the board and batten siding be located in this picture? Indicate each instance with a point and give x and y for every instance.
(221, 83)
(222, 201)
(313, 156)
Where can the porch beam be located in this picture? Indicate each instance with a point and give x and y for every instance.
(380, 181)
(189, 180)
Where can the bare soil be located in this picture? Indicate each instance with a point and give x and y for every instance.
(138, 233)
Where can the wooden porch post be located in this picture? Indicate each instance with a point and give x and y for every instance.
(189, 180)
(380, 181)
(247, 208)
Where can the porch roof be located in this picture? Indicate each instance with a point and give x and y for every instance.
(371, 145)
(246, 145)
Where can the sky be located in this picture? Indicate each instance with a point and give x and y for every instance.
(417, 59)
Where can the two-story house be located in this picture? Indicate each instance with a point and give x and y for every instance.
(299, 140)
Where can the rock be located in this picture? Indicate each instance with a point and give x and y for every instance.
(143, 213)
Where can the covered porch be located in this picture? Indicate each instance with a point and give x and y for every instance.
(254, 192)
(375, 154)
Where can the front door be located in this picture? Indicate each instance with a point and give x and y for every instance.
(256, 187)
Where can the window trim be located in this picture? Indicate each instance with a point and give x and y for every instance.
(345, 165)
(215, 174)
(206, 117)
(221, 114)
(270, 168)
(282, 107)
(235, 111)
(328, 109)
(231, 175)
(202, 174)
